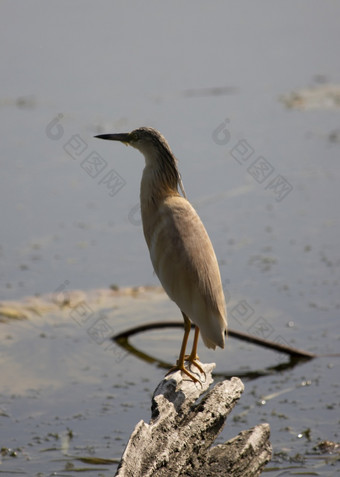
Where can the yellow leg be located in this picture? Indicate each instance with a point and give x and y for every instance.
(180, 361)
(193, 357)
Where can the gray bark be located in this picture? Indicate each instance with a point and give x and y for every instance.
(178, 439)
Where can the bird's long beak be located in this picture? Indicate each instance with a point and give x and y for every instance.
(122, 137)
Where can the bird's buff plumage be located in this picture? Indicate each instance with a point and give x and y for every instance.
(180, 249)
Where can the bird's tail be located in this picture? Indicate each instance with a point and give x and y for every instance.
(213, 334)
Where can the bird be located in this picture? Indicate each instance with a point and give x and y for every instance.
(180, 249)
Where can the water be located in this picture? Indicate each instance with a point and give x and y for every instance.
(71, 71)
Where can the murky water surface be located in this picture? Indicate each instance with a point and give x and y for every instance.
(247, 96)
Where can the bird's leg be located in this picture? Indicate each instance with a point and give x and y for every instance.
(180, 362)
(193, 357)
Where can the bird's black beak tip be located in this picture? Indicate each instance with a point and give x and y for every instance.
(104, 136)
(122, 137)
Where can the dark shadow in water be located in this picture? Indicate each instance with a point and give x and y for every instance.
(296, 356)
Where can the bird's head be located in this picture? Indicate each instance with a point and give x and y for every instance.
(158, 155)
(148, 141)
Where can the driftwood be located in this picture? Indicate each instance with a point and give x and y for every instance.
(178, 439)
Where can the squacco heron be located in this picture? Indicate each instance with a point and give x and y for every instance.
(180, 249)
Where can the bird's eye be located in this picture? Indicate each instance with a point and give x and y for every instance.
(134, 137)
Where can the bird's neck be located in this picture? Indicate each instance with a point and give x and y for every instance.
(154, 191)
(157, 184)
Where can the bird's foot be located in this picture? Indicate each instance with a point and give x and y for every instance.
(193, 360)
(180, 367)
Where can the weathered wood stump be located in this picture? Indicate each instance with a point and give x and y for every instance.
(178, 439)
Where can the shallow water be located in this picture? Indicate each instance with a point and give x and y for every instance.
(69, 395)
(211, 79)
